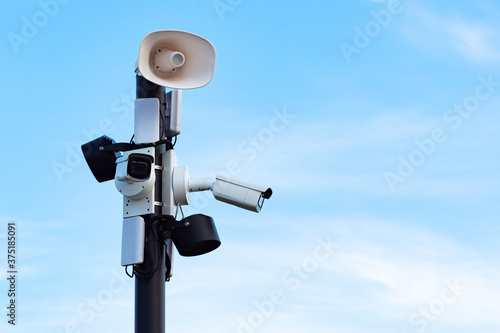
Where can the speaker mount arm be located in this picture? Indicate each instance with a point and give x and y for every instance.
(122, 146)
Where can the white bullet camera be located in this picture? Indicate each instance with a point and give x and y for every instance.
(135, 176)
(240, 194)
(229, 190)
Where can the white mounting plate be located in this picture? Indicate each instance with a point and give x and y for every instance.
(139, 207)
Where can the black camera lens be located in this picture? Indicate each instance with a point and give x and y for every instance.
(139, 166)
(139, 169)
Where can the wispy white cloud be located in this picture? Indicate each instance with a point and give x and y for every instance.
(386, 268)
(404, 267)
(452, 34)
(474, 40)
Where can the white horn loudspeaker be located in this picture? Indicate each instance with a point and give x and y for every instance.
(176, 59)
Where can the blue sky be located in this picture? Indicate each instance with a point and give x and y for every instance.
(375, 122)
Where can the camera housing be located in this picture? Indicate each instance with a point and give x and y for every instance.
(229, 190)
(135, 176)
(241, 194)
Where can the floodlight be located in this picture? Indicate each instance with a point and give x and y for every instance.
(198, 238)
(101, 163)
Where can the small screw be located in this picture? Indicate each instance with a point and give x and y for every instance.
(101, 148)
(187, 224)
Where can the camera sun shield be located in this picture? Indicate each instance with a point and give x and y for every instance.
(241, 194)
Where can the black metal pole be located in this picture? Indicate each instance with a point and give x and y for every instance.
(150, 275)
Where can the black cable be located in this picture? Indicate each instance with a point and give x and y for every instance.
(121, 146)
(158, 247)
(147, 273)
(126, 271)
(151, 270)
(138, 268)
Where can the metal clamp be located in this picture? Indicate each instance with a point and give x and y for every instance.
(169, 223)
